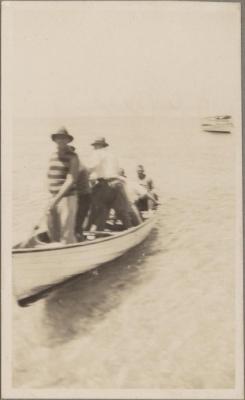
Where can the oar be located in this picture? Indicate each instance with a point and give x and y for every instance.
(33, 231)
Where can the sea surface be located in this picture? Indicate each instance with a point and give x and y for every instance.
(162, 316)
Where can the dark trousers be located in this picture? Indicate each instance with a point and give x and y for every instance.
(107, 195)
(145, 203)
(142, 204)
(84, 203)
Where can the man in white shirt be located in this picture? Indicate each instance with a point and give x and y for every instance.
(103, 163)
(109, 190)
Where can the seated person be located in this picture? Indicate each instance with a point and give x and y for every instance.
(148, 199)
(133, 195)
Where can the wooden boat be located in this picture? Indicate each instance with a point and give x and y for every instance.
(37, 268)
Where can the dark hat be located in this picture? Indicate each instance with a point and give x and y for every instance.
(101, 141)
(140, 168)
(62, 132)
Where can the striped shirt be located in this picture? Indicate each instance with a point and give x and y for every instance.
(59, 167)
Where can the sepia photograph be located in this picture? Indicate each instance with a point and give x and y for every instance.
(122, 247)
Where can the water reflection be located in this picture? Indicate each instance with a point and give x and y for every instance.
(75, 306)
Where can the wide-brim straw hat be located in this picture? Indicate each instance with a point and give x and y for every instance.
(101, 141)
(62, 132)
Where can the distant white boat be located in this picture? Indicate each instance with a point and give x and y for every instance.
(38, 268)
(217, 124)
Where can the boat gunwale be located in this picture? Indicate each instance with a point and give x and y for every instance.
(85, 243)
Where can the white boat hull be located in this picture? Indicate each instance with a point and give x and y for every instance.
(37, 269)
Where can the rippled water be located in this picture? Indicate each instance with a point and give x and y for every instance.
(162, 316)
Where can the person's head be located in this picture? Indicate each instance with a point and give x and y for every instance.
(99, 143)
(141, 171)
(62, 138)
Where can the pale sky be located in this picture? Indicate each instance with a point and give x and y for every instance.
(121, 58)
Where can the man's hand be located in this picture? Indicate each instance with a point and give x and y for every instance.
(70, 179)
(51, 206)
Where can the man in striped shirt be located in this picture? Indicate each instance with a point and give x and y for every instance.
(62, 176)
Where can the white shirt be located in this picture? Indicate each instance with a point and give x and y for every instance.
(134, 190)
(103, 164)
